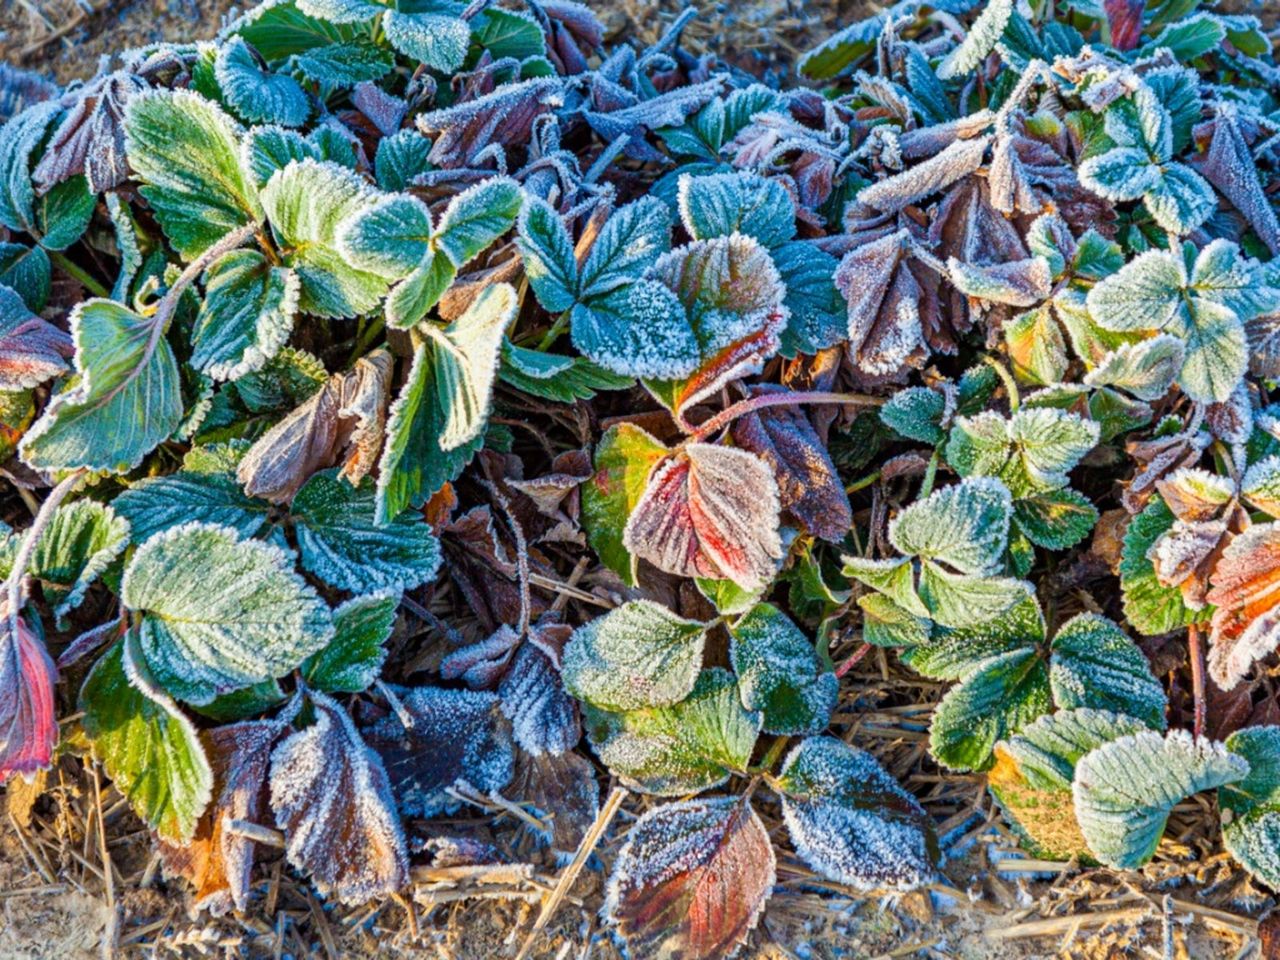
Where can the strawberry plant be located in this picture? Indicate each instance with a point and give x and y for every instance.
(431, 405)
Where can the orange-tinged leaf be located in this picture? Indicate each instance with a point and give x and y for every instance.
(1246, 591)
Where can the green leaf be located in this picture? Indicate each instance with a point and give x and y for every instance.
(306, 202)
(1094, 664)
(1125, 789)
(852, 822)
(436, 41)
(246, 316)
(1031, 452)
(185, 151)
(956, 600)
(155, 504)
(981, 39)
(726, 203)
(1189, 38)
(1056, 519)
(894, 578)
(1143, 295)
(1251, 806)
(21, 135)
(629, 243)
(81, 541)
(547, 250)
(780, 673)
(1151, 607)
(819, 315)
(287, 27)
(637, 655)
(965, 526)
(1036, 347)
(1121, 174)
(63, 214)
(268, 149)
(625, 456)
(124, 401)
(26, 271)
(400, 158)
(509, 33)
(1180, 200)
(242, 704)
(390, 236)
(257, 94)
(1145, 369)
(686, 748)
(917, 413)
(340, 542)
(476, 218)
(953, 654)
(885, 624)
(345, 64)
(556, 377)
(236, 614)
(149, 749)
(1031, 778)
(353, 659)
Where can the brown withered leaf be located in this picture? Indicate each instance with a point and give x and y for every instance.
(887, 304)
(504, 117)
(574, 34)
(342, 422)
(1156, 458)
(808, 485)
(561, 787)
(482, 664)
(32, 350)
(544, 717)
(90, 138)
(1185, 555)
(937, 173)
(1229, 165)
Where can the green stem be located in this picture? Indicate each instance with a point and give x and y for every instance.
(64, 264)
(862, 484)
(365, 337)
(1010, 385)
(930, 474)
(554, 331)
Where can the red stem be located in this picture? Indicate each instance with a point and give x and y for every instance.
(759, 402)
(853, 661)
(1197, 678)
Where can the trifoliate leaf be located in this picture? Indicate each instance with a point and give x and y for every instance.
(711, 511)
(624, 458)
(728, 203)
(306, 202)
(780, 673)
(186, 153)
(353, 659)
(246, 316)
(28, 722)
(1125, 789)
(1143, 295)
(124, 402)
(691, 880)
(330, 796)
(1151, 607)
(154, 504)
(1251, 832)
(965, 526)
(1055, 519)
(257, 94)
(629, 243)
(148, 747)
(637, 655)
(686, 748)
(457, 736)
(436, 41)
(1094, 664)
(1031, 452)
(341, 543)
(477, 217)
(978, 42)
(850, 820)
(1031, 778)
(237, 615)
(1245, 623)
(547, 250)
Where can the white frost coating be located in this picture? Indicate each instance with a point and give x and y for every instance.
(544, 718)
(1181, 549)
(1261, 485)
(959, 159)
(330, 796)
(641, 330)
(1124, 790)
(1145, 369)
(980, 40)
(629, 242)
(780, 673)
(246, 317)
(1095, 664)
(257, 94)
(850, 820)
(965, 526)
(1244, 579)
(725, 203)
(389, 237)
(884, 324)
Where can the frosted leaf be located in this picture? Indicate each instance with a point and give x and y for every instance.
(340, 11)
(1120, 174)
(1094, 664)
(388, 237)
(437, 41)
(345, 64)
(894, 578)
(633, 119)
(217, 861)
(22, 134)
(236, 615)
(809, 488)
(1143, 295)
(28, 726)
(637, 655)
(1055, 519)
(1246, 623)
(1037, 350)
(641, 330)
(1125, 789)
(1229, 165)
(852, 822)
(628, 244)
(1030, 452)
(457, 735)
(1019, 283)
(1186, 554)
(710, 512)
(32, 350)
(884, 297)
(1195, 494)
(330, 796)
(266, 149)
(341, 421)
(1181, 200)
(1223, 276)
(919, 414)
(624, 457)
(1145, 369)
(503, 117)
(691, 880)
(255, 93)
(560, 787)
(1252, 834)
(1031, 778)
(154, 504)
(477, 217)
(726, 203)
(89, 140)
(958, 160)
(186, 153)
(341, 543)
(482, 664)
(544, 718)
(125, 401)
(682, 749)
(246, 316)
(547, 251)
(885, 624)
(306, 202)
(965, 526)
(1261, 485)
(148, 747)
(817, 310)
(954, 654)
(780, 673)
(980, 40)
(352, 660)
(1150, 606)
(27, 273)
(80, 542)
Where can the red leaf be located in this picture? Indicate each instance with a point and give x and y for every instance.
(692, 880)
(1125, 20)
(32, 350)
(710, 511)
(28, 730)
(1246, 591)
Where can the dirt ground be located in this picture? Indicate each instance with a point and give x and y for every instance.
(77, 869)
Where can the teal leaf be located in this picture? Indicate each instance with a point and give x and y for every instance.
(80, 542)
(1251, 806)
(726, 203)
(1094, 664)
(1180, 200)
(155, 504)
(436, 41)
(629, 243)
(1055, 519)
(965, 526)
(476, 218)
(1150, 606)
(780, 673)
(980, 40)
(352, 660)
(547, 250)
(267, 149)
(246, 315)
(255, 93)
(390, 237)
(917, 413)
(345, 64)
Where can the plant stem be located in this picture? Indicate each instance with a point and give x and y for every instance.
(64, 264)
(863, 483)
(743, 407)
(554, 331)
(1010, 385)
(930, 474)
(1197, 679)
(13, 588)
(853, 661)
